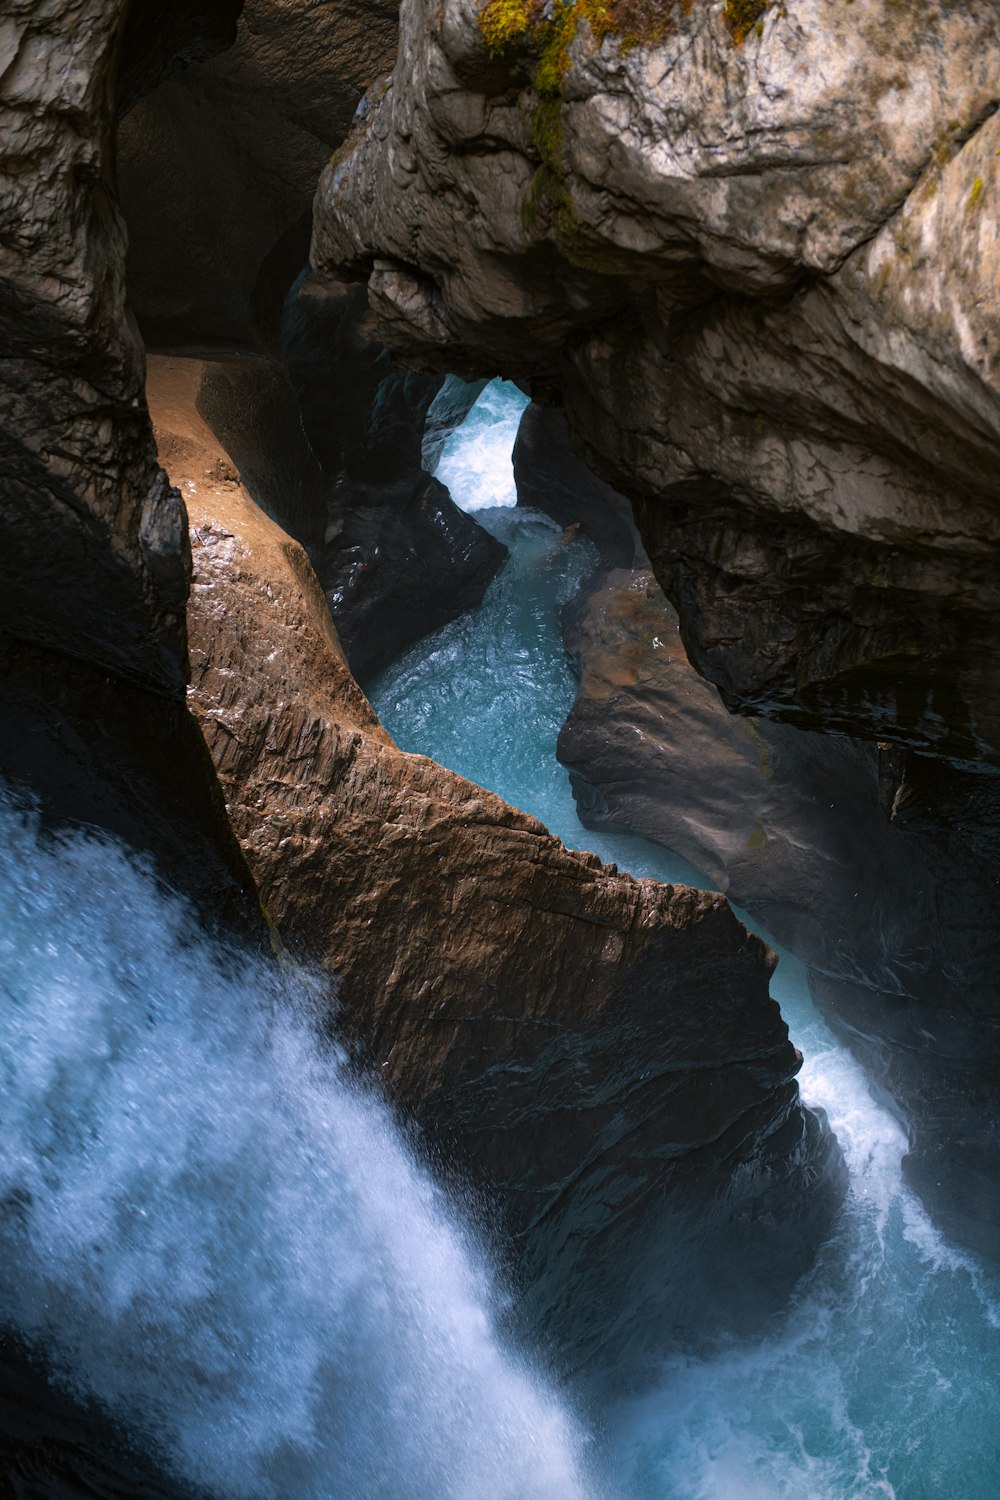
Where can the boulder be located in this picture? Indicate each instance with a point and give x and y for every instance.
(596, 1056)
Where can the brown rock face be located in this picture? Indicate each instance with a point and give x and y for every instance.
(598, 1054)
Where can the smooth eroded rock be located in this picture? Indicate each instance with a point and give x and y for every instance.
(93, 540)
(596, 1055)
(398, 559)
(895, 920)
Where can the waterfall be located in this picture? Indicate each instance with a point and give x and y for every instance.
(475, 460)
(206, 1226)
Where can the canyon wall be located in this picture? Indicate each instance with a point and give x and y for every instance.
(218, 166)
(757, 264)
(873, 866)
(760, 270)
(94, 552)
(597, 1056)
(397, 558)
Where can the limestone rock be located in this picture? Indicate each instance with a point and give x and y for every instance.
(94, 552)
(94, 558)
(93, 540)
(597, 1054)
(761, 269)
(551, 478)
(163, 37)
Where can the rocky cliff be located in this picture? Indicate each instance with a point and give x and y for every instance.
(397, 558)
(896, 924)
(597, 1055)
(875, 867)
(94, 553)
(759, 263)
(218, 166)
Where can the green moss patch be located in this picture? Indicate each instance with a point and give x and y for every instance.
(743, 16)
(548, 29)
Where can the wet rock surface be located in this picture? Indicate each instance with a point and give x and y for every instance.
(896, 920)
(759, 268)
(550, 477)
(94, 557)
(94, 553)
(595, 1054)
(94, 547)
(398, 558)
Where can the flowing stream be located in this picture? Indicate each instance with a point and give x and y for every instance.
(882, 1379)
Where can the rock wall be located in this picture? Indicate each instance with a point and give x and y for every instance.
(896, 922)
(94, 552)
(874, 866)
(398, 558)
(219, 165)
(550, 477)
(760, 266)
(597, 1055)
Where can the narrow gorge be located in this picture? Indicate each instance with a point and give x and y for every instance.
(498, 765)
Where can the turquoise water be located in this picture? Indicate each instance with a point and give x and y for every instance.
(206, 1226)
(883, 1378)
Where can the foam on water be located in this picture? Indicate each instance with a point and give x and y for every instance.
(881, 1380)
(475, 462)
(210, 1229)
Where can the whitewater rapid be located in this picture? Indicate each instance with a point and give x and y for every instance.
(881, 1380)
(208, 1227)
